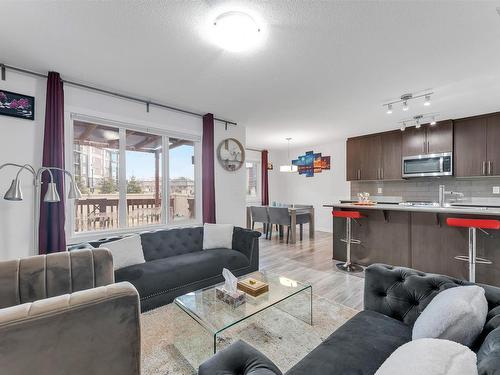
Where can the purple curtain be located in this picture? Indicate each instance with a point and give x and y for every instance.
(52, 237)
(208, 173)
(265, 178)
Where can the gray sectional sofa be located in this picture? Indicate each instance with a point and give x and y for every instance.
(394, 297)
(176, 264)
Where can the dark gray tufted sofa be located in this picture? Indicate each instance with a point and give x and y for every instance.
(394, 297)
(176, 264)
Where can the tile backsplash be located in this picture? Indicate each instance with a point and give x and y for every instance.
(426, 189)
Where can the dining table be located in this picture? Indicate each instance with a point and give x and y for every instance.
(294, 210)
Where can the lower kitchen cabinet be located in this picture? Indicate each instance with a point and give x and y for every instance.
(419, 240)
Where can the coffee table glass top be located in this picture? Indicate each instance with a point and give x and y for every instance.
(216, 315)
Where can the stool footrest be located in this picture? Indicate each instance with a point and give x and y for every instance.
(466, 258)
(357, 242)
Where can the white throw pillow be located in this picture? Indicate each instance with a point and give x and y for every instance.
(457, 314)
(126, 251)
(217, 236)
(430, 357)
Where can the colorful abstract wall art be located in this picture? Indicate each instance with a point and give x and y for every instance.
(311, 163)
(17, 105)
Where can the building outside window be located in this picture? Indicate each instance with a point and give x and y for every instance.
(122, 176)
(253, 181)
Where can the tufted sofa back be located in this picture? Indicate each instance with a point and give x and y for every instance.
(403, 293)
(171, 242)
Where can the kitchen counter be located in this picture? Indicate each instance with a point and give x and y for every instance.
(455, 209)
(418, 237)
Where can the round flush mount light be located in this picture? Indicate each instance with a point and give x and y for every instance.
(236, 31)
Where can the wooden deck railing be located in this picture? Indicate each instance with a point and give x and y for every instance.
(102, 213)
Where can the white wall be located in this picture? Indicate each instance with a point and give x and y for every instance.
(21, 141)
(325, 187)
(230, 192)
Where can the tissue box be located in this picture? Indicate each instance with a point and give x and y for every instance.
(233, 299)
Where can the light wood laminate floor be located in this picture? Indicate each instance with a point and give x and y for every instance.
(311, 261)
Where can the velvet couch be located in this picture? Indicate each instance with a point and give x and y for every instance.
(176, 264)
(63, 314)
(394, 297)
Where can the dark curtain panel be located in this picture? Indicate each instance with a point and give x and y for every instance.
(208, 172)
(265, 178)
(52, 237)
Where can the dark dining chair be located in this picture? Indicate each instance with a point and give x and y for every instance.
(279, 216)
(260, 215)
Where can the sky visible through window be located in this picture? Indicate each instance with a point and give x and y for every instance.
(142, 164)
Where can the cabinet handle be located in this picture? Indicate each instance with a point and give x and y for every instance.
(381, 173)
(425, 143)
(489, 168)
(359, 174)
(484, 168)
(428, 147)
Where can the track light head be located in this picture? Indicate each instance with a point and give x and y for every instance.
(403, 127)
(427, 101)
(389, 109)
(405, 106)
(433, 121)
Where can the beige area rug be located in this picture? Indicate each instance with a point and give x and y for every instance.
(173, 343)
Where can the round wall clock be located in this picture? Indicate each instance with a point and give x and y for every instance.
(231, 154)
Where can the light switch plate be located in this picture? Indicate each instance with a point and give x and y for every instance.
(496, 189)
(379, 191)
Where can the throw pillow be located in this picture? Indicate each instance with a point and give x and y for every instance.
(217, 236)
(430, 357)
(457, 314)
(126, 251)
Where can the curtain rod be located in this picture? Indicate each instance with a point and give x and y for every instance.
(253, 149)
(148, 103)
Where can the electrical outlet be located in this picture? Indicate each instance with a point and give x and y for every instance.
(379, 190)
(496, 189)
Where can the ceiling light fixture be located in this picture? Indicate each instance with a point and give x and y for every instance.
(403, 127)
(389, 109)
(433, 121)
(417, 119)
(236, 31)
(288, 167)
(405, 106)
(427, 101)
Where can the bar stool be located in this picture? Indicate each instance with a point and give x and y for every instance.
(348, 266)
(473, 225)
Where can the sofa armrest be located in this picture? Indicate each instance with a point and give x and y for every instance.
(94, 331)
(402, 293)
(246, 241)
(239, 359)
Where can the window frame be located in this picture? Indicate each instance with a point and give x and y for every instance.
(258, 198)
(122, 127)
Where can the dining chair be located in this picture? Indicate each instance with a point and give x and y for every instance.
(279, 216)
(260, 215)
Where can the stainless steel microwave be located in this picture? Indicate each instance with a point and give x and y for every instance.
(430, 165)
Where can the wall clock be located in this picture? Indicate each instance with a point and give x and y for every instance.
(231, 154)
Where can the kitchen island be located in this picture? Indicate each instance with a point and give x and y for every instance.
(418, 237)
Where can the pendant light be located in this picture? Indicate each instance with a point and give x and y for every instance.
(289, 168)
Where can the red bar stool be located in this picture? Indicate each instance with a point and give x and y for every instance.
(473, 225)
(348, 266)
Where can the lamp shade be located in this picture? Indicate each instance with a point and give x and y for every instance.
(14, 193)
(288, 168)
(52, 195)
(74, 192)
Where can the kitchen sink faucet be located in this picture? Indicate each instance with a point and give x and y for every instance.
(443, 193)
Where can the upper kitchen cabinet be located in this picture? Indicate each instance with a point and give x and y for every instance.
(470, 147)
(493, 145)
(374, 157)
(353, 158)
(391, 155)
(428, 139)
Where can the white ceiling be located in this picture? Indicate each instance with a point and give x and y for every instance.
(322, 73)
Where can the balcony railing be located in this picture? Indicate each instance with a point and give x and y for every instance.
(94, 214)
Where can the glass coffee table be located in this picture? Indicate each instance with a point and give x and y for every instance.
(196, 338)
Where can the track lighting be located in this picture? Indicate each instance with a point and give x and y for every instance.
(433, 121)
(418, 120)
(405, 98)
(403, 127)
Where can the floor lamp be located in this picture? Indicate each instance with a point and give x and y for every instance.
(15, 193)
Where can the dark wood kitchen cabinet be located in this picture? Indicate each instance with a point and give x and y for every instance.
(391, 155)
(477, 146)
(428, 139)
(374, 157)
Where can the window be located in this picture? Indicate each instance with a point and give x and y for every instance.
(253, 180)
(122, 176)
(181, 168)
